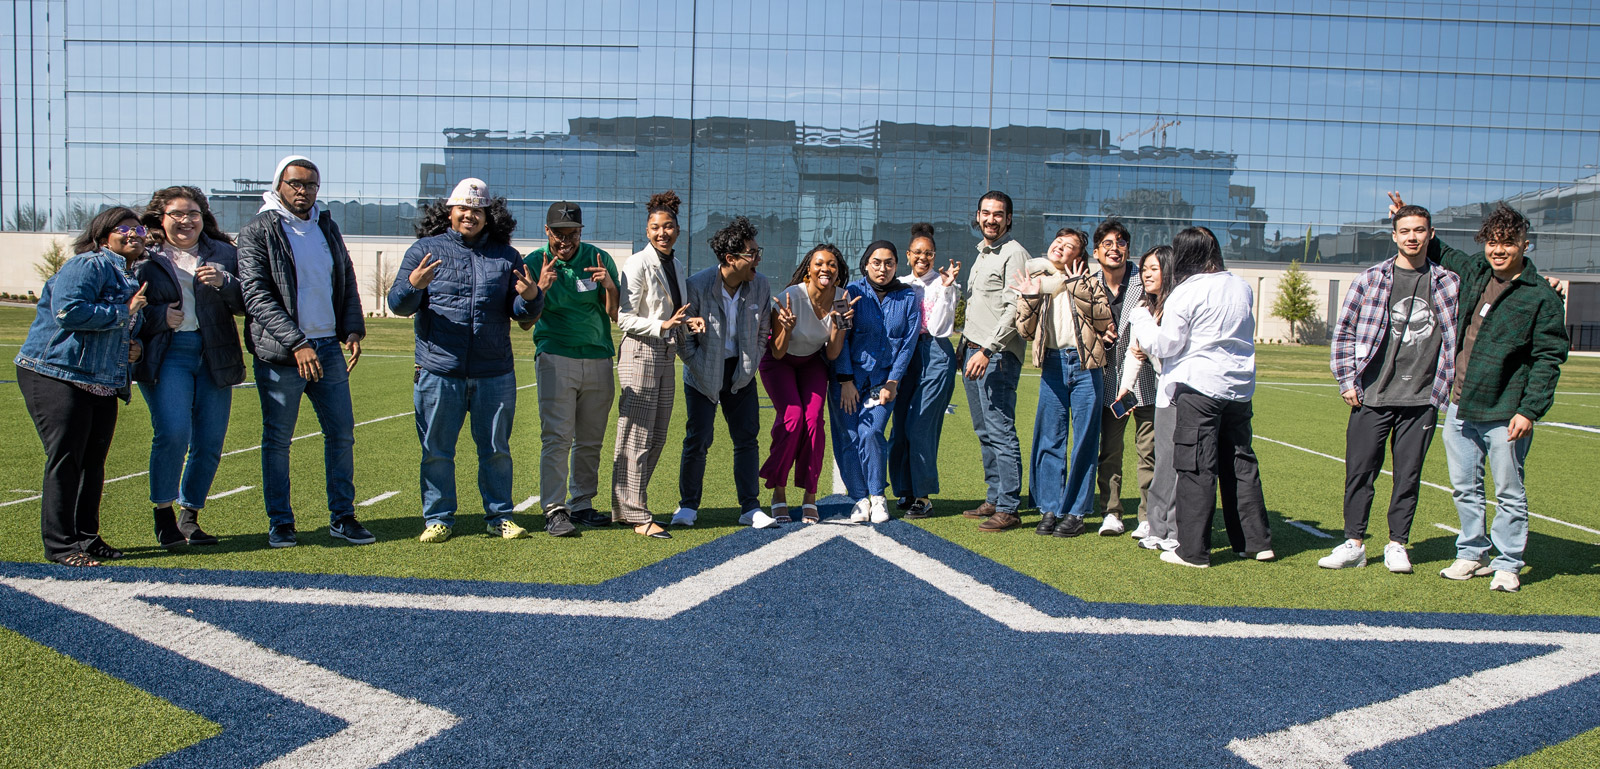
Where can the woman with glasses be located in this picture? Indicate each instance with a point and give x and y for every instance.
(930, 379)
(878, 344)
(71, 369)
(795, 372)
(192, 357)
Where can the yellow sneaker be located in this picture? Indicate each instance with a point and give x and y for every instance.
(435, 533)
(507, 529)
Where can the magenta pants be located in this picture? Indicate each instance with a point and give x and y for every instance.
(798, 387)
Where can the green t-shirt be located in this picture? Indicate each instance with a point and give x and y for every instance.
(574, 323)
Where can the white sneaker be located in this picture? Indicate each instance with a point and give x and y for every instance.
(1169, 544)
(684, 516)
(1395, 558)
(758, 519)
(1506, 582)
(1463, 569)
(1111, 526)
(1348, 555)
(1171, 556)
(1141, 531)
(861, 512)
(879, 508)
(1151, 542)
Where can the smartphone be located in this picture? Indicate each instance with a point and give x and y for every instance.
(1121, 406)
(845, 322)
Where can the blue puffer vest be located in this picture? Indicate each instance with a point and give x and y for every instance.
(463, 318)
(80, 332)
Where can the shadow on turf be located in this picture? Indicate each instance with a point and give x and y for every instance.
(1547, 556)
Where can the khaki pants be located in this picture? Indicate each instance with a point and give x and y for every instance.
(644, 414)
(1112, 440)
(575, 396)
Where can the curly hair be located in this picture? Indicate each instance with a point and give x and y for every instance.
(730, 239)
(157, 208)
(801, 272)
(498, 224)
(1503, 225)
(100, 227)
(1109, 226)
(923, 230)
(664, 203)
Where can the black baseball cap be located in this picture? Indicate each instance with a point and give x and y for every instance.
(563, 215)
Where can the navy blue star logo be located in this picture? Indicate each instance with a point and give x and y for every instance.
(827, 645)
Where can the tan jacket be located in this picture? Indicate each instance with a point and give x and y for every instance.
(1084, 307)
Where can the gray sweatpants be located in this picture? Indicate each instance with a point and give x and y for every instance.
(575, 396)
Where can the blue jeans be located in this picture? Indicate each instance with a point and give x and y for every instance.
(992, 402)
(188, 419)
(442, 404)
(859, 447)
(1069, 406)
(280, 388)
(919, 418)
(1466, 445)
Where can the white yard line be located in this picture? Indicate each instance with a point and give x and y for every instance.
(229, 492)
(1583, 428)
(1445, 489)
(1451, 529)
(377, 499)
(1309, 529)
(20, 501)
(526, 503)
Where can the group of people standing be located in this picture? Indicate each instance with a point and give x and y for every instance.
(1166, 343)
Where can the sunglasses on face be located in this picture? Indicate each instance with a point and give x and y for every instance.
(136, 231)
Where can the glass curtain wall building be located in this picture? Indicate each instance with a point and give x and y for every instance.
(1278, 125)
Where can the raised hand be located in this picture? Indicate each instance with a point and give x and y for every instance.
(678, 318)
(1078, 268)
(847, 317)
(1024, 284)
(600, 275)
(786, 313)
(1395, 203)
(947, 276)
(174, 316)
(527, 288)
(696, 325)
(137, 301)
(209, 275)
(547, 273)
(423, 274)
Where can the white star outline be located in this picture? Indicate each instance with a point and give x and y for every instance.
(381, 725)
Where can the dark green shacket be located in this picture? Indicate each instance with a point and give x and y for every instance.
(1521, 344)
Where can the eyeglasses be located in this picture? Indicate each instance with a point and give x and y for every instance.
(1114, 243)
(137, 231)
(756, 254)
(300, 186)
(915, 252)
(184, 216)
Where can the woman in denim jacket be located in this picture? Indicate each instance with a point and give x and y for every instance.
(72, 367)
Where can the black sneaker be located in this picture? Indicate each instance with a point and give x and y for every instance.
(921, 508)
(167, 533)
(350, 530)
(904, 503)
(282, 535)
(558, 523)
(1070, 526)
(1047, 525)
(591, 517)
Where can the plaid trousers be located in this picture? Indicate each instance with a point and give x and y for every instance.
(645, 373)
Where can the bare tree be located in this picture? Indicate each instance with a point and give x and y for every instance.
(382, 279)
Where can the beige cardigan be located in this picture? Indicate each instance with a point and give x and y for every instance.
(1087, 305)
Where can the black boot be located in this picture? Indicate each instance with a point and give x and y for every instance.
(189, 525)
(167, 534)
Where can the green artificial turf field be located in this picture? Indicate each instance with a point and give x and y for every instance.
(1297, 412)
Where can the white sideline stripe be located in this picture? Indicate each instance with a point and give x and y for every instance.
(1584, 428)
(1309, 529)
(838, 481)
(1323, 744)
(526, 503)
(1445, 489)
(377, 499)
(20, 501)
(1301, 384)
(230, 492)
(380, 724)
(1451, 529)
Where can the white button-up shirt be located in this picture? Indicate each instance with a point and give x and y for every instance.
(1206, 339)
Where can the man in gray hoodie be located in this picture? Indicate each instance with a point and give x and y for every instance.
(301, 300)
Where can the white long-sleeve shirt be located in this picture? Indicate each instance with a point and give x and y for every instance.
(1206, 338)
(938, 302)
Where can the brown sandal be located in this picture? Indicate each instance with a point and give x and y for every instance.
(78, 559)
(652, 530)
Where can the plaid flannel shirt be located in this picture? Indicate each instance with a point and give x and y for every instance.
(1364, 319)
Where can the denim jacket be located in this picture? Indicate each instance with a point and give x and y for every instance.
(879, 345)
(80, 333)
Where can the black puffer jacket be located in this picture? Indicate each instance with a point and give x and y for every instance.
(464, 316)
(266, 272)
(216, 308)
